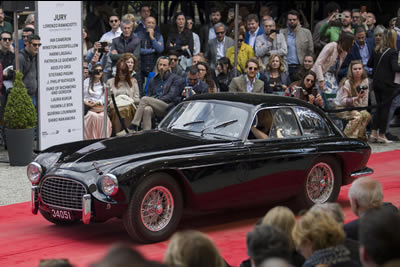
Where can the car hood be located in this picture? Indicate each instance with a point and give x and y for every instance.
(109, 153)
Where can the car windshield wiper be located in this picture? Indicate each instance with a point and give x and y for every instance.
(219, 125)
(193, 122)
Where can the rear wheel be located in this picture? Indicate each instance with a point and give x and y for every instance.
(155, 209)
(322, 183)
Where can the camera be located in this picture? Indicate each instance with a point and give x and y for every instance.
(103, 46)
(339, 16)
(361, 89)
(94, 72)
(274, 31)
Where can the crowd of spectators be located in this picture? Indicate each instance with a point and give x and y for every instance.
(276, 54)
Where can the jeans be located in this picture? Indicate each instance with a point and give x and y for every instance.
(393, 107)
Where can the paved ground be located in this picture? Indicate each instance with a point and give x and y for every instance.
(15, 186)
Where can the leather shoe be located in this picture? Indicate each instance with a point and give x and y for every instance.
(392, 137)
(382, 140)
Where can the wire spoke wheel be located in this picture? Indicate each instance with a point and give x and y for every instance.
(157, 208)
(320, 183)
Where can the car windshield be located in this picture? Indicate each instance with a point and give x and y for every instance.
(211, 118)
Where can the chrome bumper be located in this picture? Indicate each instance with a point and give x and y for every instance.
(363, 172)
(86, 208)
(34, 199)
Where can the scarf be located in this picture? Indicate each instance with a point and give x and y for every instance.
(329, 256)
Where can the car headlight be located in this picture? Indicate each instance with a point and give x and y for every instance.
(109, 184)
(34, 172)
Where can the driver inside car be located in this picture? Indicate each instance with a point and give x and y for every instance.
(263, 126)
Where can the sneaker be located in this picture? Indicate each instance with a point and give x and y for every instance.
(122, 133)
(392, 137)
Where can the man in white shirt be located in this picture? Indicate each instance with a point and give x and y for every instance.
(115, 30)
(254, 30)
(217, 47)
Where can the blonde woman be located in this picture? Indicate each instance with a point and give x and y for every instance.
(354, 93)
(320, 238)
(192, 249)
(277, 78)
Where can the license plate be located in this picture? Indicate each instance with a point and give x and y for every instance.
(61, 214)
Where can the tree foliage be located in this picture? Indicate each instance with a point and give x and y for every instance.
(20, 112)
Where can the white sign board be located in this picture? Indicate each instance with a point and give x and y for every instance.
(59, 26)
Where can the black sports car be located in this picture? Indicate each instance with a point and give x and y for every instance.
(210, 152)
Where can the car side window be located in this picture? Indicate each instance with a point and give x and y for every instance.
(274, 123)
(312, 123)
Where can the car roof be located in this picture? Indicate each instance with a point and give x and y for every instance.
(252, 99)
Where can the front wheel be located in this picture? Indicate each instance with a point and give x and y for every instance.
(155, 209)
(322, 183)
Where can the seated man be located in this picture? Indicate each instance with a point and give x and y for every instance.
(160, 95)
(264, 123)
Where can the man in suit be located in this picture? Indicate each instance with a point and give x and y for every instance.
(217, 47)
(362, 50)
(254, 30)
(365, 193)
(299, 41)
(207, 32)
(248, 83)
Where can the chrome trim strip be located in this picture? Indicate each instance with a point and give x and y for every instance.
(363, 172)
(86, 205)
(34, 202)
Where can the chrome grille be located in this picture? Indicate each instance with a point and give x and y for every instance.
(62, 193)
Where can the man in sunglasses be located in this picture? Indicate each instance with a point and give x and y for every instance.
(115, 29)
(173, 63)
(28, 66)
(217, 47)
(7, 60)
(272, 42)
(248, 83)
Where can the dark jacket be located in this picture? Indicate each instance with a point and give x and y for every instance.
(204, 31)
(383, 74)
(149, 50)
(7, 59)
(169, 92)
(132, 45)
(179, 40)
(265, 77)
(199, 88)
(355, 55)
(28, 67)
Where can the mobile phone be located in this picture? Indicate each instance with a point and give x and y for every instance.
(188, 91)
(315, 91)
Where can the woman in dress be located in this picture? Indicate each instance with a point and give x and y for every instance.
(126, 92)
(94, 94)
(354, 93)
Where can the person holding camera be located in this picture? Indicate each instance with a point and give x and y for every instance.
(94, 100)
(336, 24)
(354, 93)
(306, 90)
(276, 77)
(272, 42)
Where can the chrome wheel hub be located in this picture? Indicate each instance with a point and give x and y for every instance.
(157, 208)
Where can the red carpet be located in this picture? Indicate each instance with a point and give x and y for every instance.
(25, 238)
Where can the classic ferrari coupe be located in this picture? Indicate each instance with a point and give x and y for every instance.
(209, 153)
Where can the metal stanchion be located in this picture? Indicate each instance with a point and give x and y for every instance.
(105, 112)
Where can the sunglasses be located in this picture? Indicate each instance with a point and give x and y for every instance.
(240, 40)
(173, 59)
(253, 68)
(309, 80)
(113, 20)
(193, 80)
(218, 33)
(36, 45)
(6, 39)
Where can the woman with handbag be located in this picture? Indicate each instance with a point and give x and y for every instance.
(354, 93)
(94, 94)
(385, 65)
(126, 92)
